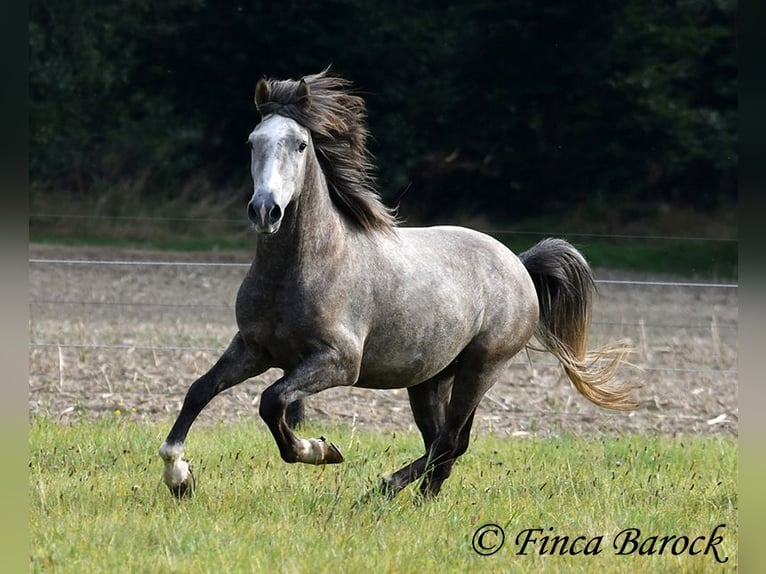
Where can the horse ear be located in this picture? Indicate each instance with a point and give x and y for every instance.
(262, 91)
(304, 93)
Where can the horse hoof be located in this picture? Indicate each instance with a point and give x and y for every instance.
(185, 488)
(319, 451)
(334, 455)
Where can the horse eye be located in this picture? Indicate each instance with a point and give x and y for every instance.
(302, 146)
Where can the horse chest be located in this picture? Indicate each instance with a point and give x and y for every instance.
(285, 327)
(278, 323)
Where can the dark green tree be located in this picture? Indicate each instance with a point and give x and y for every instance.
(505, 109)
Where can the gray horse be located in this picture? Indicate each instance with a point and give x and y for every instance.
(338, 295)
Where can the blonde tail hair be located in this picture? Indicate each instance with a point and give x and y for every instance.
(564, 283)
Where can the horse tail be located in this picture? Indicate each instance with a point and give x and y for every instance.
(565, 286)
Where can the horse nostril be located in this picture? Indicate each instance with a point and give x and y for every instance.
(275, 214)
(251, 215)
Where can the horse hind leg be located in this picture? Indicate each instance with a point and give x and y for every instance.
(428, 402)
(435, 475)
(471, 384)
(436, 465)
(473, 379)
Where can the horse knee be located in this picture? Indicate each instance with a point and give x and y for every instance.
(272, 406)
(462, 445)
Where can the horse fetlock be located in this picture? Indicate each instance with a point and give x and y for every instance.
(318, 451)
(171, 452)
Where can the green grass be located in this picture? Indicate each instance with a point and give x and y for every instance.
(199, 243)
(717, 260)
(97, 504)
(697, 259)
(199, 220)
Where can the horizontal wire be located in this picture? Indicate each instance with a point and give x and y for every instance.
(140, 263)
(135, 218)
(490, 231)
(229, 307)
(668, 283)
(707, 326)
(128, 347)
(123, 347)
(129, 304)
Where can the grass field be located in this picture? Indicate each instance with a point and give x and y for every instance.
(97, 503)
(697, 259)
(624, 240)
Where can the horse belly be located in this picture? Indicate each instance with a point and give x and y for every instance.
(400, 357)
(400, 374)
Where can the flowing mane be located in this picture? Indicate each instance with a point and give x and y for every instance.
(336, 119)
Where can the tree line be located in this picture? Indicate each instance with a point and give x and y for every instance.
(506, 109)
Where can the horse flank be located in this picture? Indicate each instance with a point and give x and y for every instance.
(336, 118)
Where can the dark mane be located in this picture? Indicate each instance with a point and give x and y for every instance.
(336, 119)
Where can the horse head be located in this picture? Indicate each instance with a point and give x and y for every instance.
(280, 150)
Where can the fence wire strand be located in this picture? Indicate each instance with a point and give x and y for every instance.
(140, 263)
(144, 347)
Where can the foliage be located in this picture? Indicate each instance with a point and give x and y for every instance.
(504, 109)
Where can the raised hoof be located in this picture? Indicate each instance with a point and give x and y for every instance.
(333, 455)
(185, 488)
(319, 451)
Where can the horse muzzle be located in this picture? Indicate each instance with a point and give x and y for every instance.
(264, 213)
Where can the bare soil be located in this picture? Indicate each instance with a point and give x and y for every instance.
(128, 340)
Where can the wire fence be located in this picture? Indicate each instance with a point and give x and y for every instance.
(491, 231)
(732, 325)
(697, 320)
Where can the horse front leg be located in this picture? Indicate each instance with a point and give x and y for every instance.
(320, 372)
(236, 364)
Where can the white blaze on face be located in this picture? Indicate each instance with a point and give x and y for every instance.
(278, 162)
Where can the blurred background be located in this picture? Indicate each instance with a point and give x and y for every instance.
(603, 121)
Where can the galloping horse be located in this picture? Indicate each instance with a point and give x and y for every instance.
(339, 294)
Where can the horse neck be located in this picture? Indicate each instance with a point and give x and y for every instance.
(311, 232)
